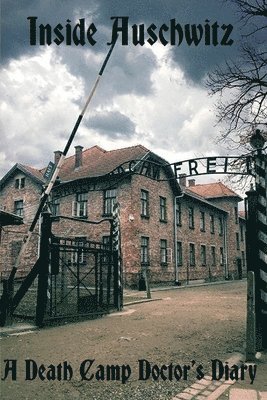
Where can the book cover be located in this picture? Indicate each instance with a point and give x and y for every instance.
(98, 98)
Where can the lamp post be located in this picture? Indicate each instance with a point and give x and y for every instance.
(257, 141)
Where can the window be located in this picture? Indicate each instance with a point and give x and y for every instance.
(20, 183)
(55, 207)
(237, 241)
(144, 203)
(163, 209)
(178, 213)
(192, 259)
(220, 226)
(79, 207)
(212, 229)
(144, 250)
(213, 255)
(18, 207)
(109, 201)
(203, 254)
(163, 252)
(191, 217)
(221, 256)
(236, 215)
(202, 221)
(179, 253)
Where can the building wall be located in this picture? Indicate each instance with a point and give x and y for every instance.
(234, 251)
(13, 236)
(134, 227)
(198, 236)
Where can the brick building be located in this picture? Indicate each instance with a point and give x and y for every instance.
(175, 231)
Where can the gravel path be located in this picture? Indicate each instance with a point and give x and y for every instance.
(186, 329)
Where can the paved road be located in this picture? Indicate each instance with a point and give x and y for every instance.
(152, 350)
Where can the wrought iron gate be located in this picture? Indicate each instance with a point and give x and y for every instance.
(72, 277)
(81, 278)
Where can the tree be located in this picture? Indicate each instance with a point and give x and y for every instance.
(242, 84)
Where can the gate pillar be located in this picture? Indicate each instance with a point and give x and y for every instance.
(257, 141)
(118, 289)
(43, 268)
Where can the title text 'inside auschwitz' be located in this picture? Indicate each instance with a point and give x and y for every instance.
(209, 33)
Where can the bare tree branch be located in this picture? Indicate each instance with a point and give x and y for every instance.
(242, 86)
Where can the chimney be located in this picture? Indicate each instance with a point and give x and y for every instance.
(191, 182)
(182, 180)
(57, 156)
(78, 156)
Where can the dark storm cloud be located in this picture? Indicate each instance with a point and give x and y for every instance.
(112, 124)
(196, 61)
(129, 70)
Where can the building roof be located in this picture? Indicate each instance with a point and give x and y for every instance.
(33, 173)
(98, 162)
(9, 219)
(201, 199)
(36, 173)
(213, 191)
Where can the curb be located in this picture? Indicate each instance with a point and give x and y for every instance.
(17, 330)
(196, 285)
(140, 301)
(206, 388)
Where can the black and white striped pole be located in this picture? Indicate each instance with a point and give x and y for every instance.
(257, 142)
(58, 167)
(116, 239)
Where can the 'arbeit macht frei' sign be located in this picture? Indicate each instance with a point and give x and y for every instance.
(192, 167)
(152, 170)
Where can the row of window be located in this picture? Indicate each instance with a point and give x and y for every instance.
(79, 206)
(165, 253)
(203, 254)
(202, 219)
(80, 209)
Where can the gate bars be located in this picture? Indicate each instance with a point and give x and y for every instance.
(48, 263)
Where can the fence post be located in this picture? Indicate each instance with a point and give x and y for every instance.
(6, 302)
(43, 268)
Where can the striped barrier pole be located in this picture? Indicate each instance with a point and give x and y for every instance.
(261, 175)
(118, 260)
(57, 169)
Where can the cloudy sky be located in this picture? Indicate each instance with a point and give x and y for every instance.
(151, 94)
